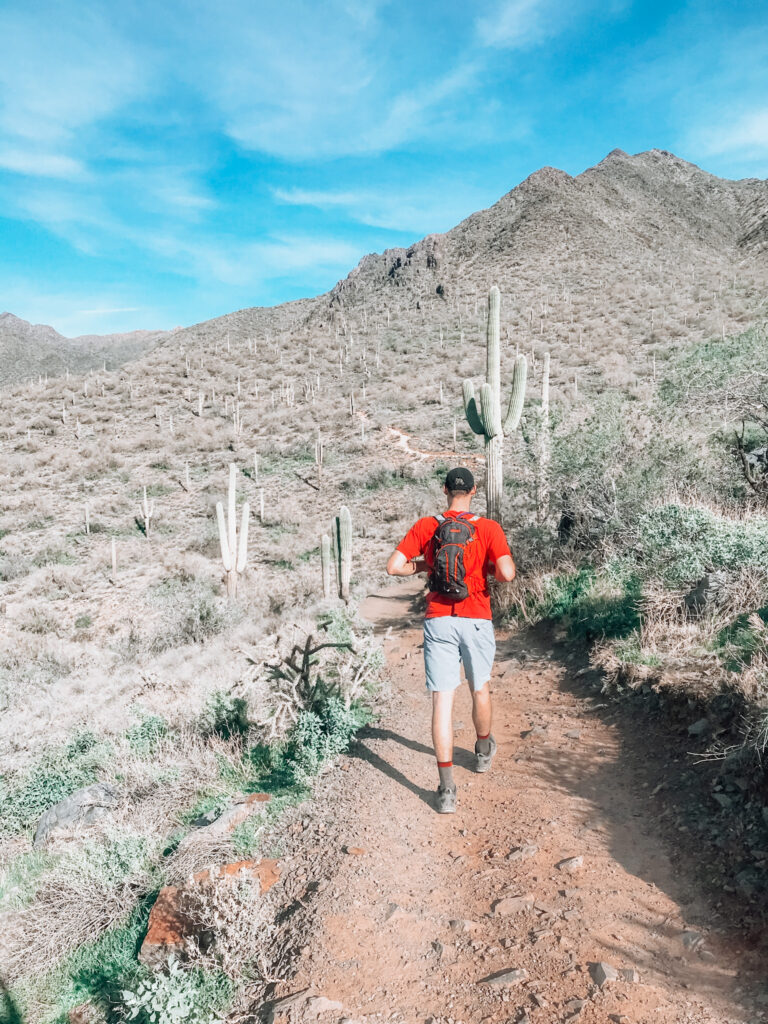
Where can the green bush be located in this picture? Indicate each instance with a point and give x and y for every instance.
(19, 877)
(680, 544)
(110, 862)
(145, 736)
(319, 736)
(739, 640)
(95, 973)
(175, 995)
(57, 774)
(223, 715)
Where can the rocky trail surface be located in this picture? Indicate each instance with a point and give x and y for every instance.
(550, 895)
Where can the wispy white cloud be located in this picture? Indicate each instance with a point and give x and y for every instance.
(63, 68)
(34, 163)
(517, 23)
(75, 311)
(745, 134)
(241, 263)
(424, 211)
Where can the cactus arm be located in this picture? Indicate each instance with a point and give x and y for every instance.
(242, 551)
(490, 412)
(470, 408)
(517, 398)
(226, 557)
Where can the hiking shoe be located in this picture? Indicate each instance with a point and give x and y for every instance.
(483, 761)
(446, 800)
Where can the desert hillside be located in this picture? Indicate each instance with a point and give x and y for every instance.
(636, 292)
(36, 350)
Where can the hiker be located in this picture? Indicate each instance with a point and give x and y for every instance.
(459, 550)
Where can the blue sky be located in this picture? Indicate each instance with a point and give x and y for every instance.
(161, 164)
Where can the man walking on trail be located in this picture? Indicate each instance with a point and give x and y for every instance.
(459, 550)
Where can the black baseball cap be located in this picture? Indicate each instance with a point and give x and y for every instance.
(459, 479)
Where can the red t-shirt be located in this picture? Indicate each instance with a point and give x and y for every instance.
(489, 544)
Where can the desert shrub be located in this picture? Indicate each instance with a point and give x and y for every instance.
(192, 995)
(223, 715)
(39, 621)
(55, 775)
(95, 972)
(83, 622)
(373, 480)
(240, 919)
(321, 735)
(713, 364)
(741, 639)
(592, 601)
(13, 567)
(19, 877)
(53, 556)
(191, 613)
(22, 667)
(110, 861)
(145, 736)
(679, 544)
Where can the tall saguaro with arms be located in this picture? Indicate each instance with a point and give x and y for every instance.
(484, 416)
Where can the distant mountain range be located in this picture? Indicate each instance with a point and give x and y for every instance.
(33, 350)
(638, 238)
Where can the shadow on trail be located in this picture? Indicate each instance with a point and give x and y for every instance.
(461, 758)
(366, 754)
(650, 788)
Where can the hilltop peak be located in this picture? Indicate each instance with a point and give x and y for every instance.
(547, 176)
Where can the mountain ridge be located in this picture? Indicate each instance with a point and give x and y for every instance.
(617, 222)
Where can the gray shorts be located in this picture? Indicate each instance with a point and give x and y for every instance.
(451, 641)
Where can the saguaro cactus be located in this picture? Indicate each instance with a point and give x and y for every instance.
(484, 417)
(325, 563)
(148, 512)
(234, 553)
(341, 533)
(544, 445)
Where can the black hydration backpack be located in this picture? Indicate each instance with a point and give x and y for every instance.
(450, 540)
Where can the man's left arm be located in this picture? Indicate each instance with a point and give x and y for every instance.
(399, 565)
(500, 557)
(405, 560)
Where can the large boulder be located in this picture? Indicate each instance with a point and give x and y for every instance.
(707, 593)
(84, 807)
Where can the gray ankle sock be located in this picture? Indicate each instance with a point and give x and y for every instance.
(484, 746)
(446, 776)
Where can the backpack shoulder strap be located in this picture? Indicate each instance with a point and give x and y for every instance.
(440, 519)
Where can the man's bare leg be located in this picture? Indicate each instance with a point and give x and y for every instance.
(442, 735)
(482, 714)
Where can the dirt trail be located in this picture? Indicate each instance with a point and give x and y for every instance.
(395, 904)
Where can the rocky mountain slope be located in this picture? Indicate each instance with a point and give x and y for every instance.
(33, 350)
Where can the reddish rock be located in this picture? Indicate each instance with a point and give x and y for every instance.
(169, 927)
